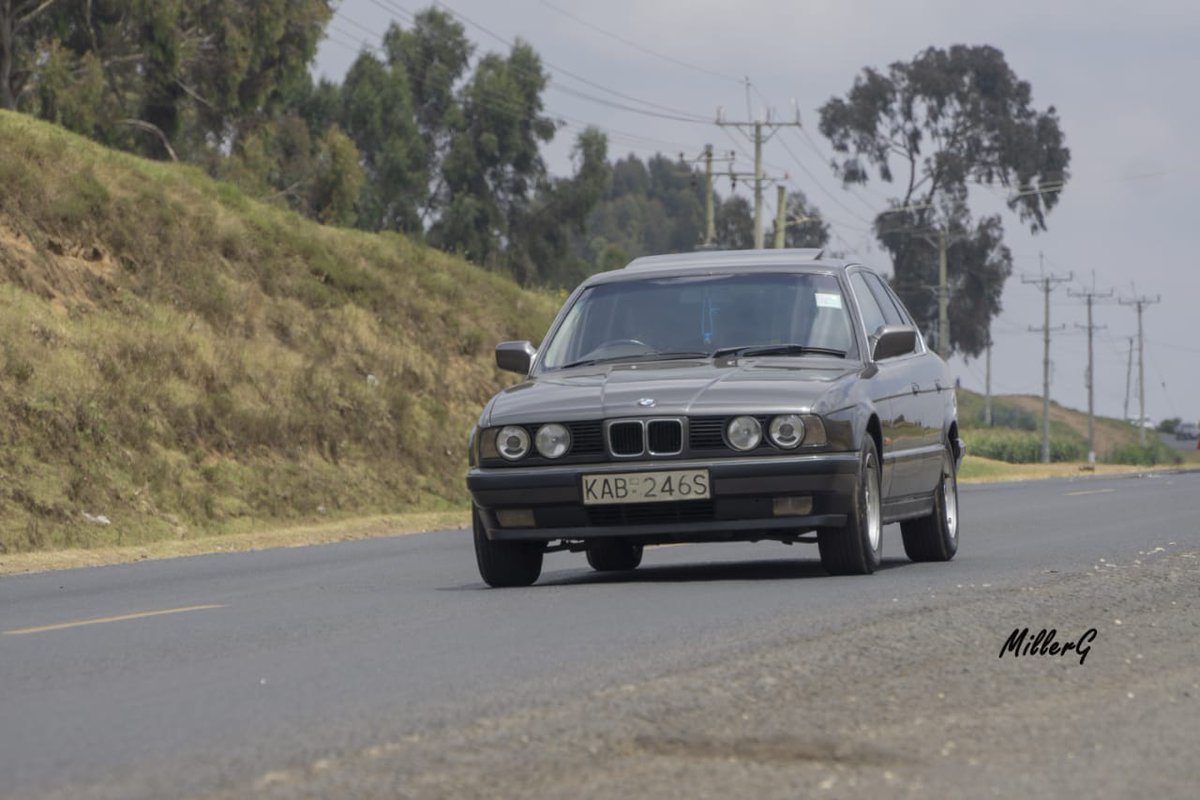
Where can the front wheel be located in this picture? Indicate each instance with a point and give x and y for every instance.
(935, 538)
(857, 548)
(505, 563)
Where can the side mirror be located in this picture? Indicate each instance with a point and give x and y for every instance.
(893, 340)
(515, 356)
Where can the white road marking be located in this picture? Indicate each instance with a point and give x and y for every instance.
(1090, 491)
(58, 626)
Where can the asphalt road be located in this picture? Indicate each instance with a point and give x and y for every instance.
(293, 672)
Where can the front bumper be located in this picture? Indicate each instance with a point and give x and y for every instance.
(741, 506)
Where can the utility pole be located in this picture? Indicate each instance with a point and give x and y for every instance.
(1046, 284)
(1128, 376)
(758, 189)
(943, 299)
(780, 215)
(757, 127)
(710, 226)
(987, 383)
(1140, 304)
(1090, 298)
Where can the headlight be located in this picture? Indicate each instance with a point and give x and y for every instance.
(744, 433)
(553, 440)
(787, 431)
(512, 442)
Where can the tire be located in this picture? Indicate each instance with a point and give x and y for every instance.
(504, 564)
(857, 548)
(614, 555)
(935, 538)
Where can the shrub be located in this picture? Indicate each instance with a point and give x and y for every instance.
(1147, 456)
(1020, 447)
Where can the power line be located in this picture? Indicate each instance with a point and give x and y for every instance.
(640, 47)
(806, 138)
(661, 111)
(621, 106)
(821, 186)
(497, 102)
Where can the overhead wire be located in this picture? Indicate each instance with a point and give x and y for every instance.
(821, 186)
(806, 138)
(497, 102)
(639, 47)
(651, 108)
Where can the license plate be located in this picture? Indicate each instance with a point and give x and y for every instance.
(645, 487)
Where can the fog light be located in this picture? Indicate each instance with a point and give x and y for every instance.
(515, 518)
(792, 506)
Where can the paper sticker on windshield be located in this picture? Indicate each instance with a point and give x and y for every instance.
(827, 300)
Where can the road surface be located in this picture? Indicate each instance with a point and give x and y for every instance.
(385, 668)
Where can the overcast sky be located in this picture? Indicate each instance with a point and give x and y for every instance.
(1122, 75)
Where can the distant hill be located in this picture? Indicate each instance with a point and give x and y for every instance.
(1015, 435)
(177, 358)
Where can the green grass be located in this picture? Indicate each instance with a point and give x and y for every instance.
(187, 361)
(1015, 435)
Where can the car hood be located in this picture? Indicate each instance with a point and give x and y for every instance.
(726, 386)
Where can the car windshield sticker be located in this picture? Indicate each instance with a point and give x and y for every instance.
(828, 300)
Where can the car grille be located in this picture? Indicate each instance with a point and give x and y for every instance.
(587, 438)
(664, 437)
(651, 513)
(625, 438)
(706, 433)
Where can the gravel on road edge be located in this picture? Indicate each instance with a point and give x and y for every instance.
(917, 702)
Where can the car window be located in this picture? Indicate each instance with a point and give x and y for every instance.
(887, 305)
(871, 313)
(701, 314)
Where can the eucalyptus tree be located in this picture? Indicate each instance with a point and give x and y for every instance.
(934, 127)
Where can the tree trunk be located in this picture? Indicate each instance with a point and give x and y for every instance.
(7, 99)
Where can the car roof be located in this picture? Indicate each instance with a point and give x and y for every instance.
(724, 261)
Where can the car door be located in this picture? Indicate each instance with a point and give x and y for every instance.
(892, 393)
(927, 373)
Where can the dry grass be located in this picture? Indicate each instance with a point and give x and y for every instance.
(976, 469)
(1110, 434)
(186, 362)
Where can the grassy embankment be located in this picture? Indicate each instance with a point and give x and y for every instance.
(185, 361)
(1011, 448)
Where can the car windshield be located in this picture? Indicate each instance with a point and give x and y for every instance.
(701, 316)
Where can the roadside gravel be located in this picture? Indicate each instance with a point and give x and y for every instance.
(916, 703)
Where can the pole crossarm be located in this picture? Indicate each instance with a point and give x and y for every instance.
(754, 130)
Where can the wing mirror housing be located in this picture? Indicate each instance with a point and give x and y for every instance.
(893, 340)
(515, 356)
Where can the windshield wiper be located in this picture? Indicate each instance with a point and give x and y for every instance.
(587, 362)
(778, 350)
